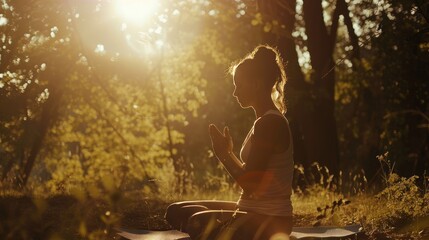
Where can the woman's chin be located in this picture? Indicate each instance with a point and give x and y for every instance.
(243, 105)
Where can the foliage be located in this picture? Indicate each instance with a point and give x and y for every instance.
(32, 74)
(403, 200)
(324, 196)
(382, 97)
(100, 114)
(92, 213)
(318, 178)
(134, 109)
(113, 117)
(398, 211)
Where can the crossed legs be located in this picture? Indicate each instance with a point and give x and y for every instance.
(221, 220)
(179, 213)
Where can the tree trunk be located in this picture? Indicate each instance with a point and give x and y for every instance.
(320, 125)
(310, 105)
(48, 116)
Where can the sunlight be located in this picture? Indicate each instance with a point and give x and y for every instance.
(137, 11)
(279, 236)
(3, 20)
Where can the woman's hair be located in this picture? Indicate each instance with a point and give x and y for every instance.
(265, 64)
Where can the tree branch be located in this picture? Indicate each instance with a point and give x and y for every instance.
(350, 29)
(318, 42)
(342, 9)
(334, 26)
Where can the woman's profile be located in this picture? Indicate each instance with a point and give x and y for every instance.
(263, 169)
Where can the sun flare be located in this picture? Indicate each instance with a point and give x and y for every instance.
(137, 11)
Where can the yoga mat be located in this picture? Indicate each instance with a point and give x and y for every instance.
(297, 233)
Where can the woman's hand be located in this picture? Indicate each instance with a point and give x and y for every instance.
(221, 142)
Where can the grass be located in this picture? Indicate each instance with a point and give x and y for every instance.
(65, 217)
(399, 211)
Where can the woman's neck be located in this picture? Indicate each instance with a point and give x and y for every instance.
(263, 106)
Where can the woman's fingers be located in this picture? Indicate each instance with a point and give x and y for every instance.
(228, 138)
(226, 132)
(218, 141)
(214, 131)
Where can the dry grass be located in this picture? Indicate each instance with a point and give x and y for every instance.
(399, 211)
(65, 217)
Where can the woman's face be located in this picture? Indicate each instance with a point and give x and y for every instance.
(244, 90)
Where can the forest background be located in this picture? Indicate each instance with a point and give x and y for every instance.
(108, 98)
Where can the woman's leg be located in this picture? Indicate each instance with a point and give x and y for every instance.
(214, 224)
(237, 225)
(177, 214)
(269, 227)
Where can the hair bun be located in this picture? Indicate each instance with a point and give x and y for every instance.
(264, 54)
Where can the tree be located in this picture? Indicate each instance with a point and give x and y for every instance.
(32, 76)
(97, 112)
(311, 103)
(389, 90)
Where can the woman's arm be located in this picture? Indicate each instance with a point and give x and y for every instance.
(222, 146)
(233, 166)
(270, 132)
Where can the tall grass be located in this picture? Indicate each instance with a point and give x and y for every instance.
(399, 210)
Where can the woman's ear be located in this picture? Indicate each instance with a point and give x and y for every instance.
(260, 86)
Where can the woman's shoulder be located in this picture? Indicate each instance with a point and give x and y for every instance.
(271, 124)
(272, 117)
(272, 130)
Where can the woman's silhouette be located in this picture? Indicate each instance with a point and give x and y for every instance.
(264, 168)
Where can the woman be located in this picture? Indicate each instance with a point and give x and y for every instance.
(264, 168)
